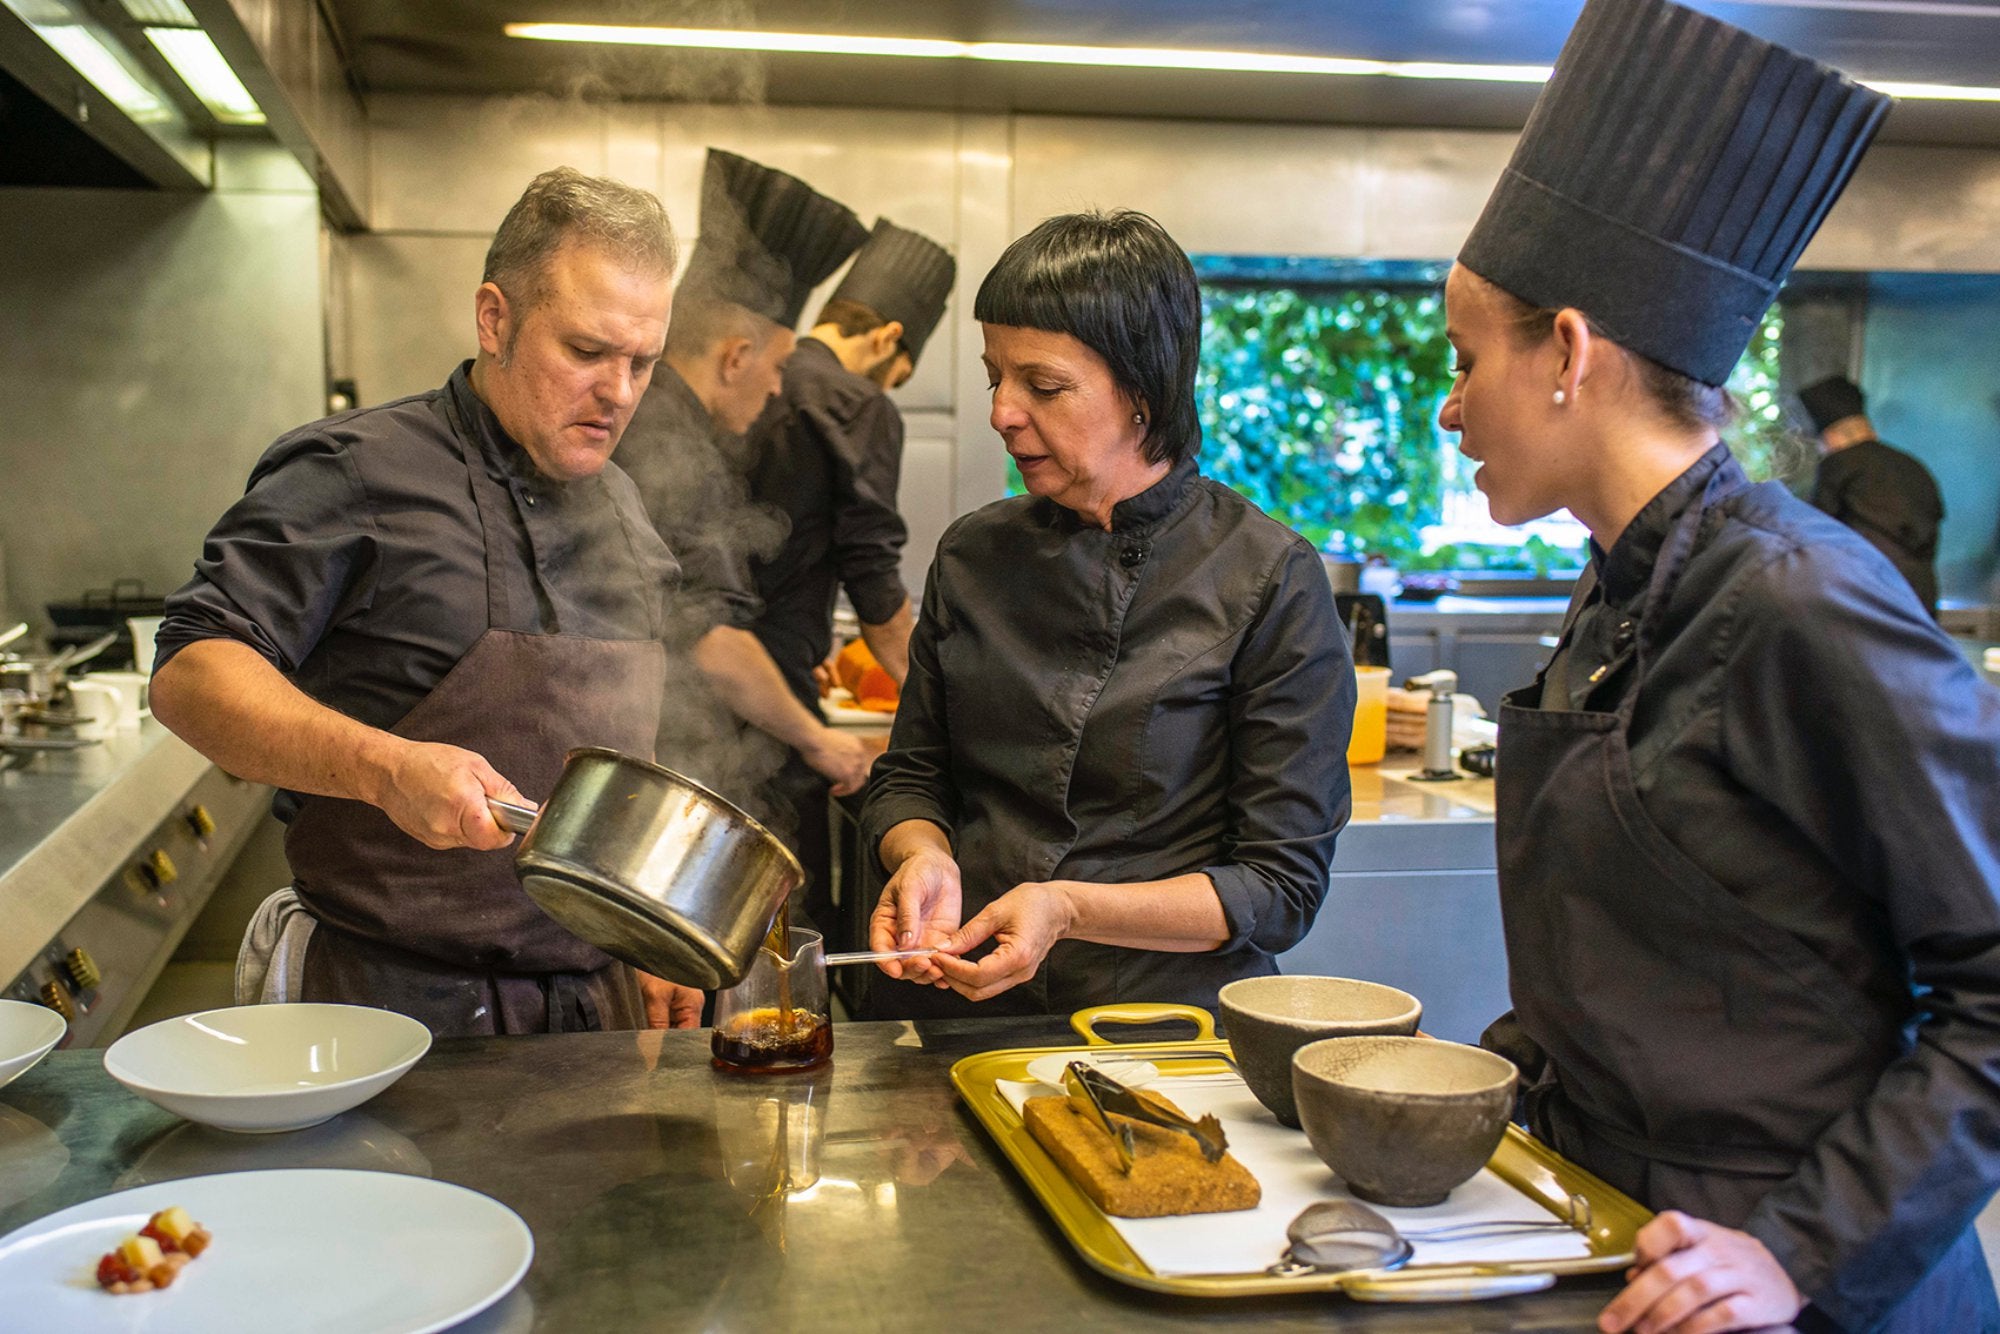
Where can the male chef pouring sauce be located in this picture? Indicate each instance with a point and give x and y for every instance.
(423, 604)
(1749, 818)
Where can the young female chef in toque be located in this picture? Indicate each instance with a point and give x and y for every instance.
(1749, 817)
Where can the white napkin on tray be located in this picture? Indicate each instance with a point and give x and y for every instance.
(1292, 1177)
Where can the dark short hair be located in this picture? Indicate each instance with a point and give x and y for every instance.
(1118, 284)
(852, 318)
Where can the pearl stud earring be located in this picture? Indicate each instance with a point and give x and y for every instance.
(1561, 398)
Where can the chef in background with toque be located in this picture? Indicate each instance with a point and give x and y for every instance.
(1749, 817)
(420, 605)
(827, 453)
(767, 239)
(1876, 489)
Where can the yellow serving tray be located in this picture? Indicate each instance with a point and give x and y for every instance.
(1522, 1161)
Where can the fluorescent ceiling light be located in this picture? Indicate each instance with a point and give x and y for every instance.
(193, 55)
(98, 60)
(161, 13)
(1946, 92)
(1030, 53)
(1035, 53)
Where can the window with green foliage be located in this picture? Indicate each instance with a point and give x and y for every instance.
(1319, 403)
(1318, 392)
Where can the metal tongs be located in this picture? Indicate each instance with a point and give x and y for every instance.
(1097, 1095)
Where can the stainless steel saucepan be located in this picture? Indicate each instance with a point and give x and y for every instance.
(652, 868)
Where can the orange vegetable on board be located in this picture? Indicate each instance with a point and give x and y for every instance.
(856, 669)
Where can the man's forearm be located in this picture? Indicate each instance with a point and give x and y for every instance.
(737, 667)
(890, 643)
(227, 702)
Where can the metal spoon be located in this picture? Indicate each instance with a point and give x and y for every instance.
(1338, 1235)
(1335, 1235)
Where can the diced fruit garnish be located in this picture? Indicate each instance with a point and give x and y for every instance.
(142, 1253)
(174, 1222)
(155, 1256)
(164, 1273)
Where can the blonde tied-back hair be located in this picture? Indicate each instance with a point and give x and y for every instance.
(1685, 401)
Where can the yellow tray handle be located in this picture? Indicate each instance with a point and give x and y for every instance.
(1086, 1021)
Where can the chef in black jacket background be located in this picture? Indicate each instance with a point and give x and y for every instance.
(1749, 818)
(767, 239)
(1877, 490)
(421, 604)
(827, 453)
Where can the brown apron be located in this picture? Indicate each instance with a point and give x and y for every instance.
(450, 938)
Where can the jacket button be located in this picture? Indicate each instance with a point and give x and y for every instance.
(1131, 556)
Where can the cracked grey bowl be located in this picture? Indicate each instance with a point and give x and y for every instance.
(1402, 1120)
(1268, 1018)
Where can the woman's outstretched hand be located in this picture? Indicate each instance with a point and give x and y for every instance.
(919, 909)
(1024, 924)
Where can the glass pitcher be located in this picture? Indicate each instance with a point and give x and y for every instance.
(778, 1017)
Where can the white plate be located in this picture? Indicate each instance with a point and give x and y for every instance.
(1127, 1070)
(303, 1251)
(28, 1032)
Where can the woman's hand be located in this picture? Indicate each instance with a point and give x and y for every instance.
(919, 909)
(1695, 1277)
(1024, 923)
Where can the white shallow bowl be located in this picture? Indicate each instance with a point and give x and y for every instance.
(27, 1034)
(262, 1068)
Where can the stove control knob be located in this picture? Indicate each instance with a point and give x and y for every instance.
(199, 822)
(56, 996)
(83, 972)
(158, 870)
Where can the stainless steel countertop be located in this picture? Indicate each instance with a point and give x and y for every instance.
(70, 819)
(651, 1184)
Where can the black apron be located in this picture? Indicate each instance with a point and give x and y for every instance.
(1695, 1051)
(451, 938)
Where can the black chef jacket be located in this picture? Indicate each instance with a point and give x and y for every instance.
(355, 563)
(1172, 696)
(689, 472)
(1892, 500)
(826, 452)
(1818, 746)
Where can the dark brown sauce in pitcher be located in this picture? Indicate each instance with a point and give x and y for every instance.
(774, 1039)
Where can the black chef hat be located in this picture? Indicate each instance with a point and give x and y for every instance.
(1669, 175)
(901, 275)
(767, 238)
(1827, 401)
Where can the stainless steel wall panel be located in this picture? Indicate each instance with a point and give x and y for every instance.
(412, 313)
(155, 345)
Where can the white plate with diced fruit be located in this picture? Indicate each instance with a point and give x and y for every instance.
(302, 1250)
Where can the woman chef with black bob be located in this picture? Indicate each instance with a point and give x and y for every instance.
(1749, 817)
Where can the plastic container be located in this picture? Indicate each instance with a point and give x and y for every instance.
(1370, 740)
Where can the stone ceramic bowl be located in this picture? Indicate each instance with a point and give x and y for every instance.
(1402, 1120)
(1269, 1018)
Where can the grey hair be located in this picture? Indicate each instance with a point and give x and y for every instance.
(563, 205)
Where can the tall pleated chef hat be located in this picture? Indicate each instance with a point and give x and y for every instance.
(901, 275)
(1671, 172)
(767, 238)
(1832, 399)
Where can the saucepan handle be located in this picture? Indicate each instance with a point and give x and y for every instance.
(514, 818)
(1086, 1021)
